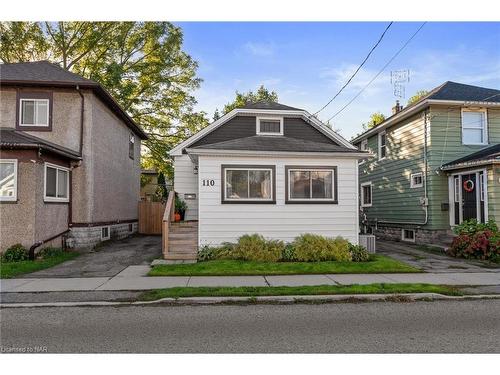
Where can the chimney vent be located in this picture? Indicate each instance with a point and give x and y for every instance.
(398, 107)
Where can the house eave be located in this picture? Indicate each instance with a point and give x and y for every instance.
(470, 164)
(212, 152)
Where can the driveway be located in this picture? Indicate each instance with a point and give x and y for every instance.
(108, 259)
(430, 260)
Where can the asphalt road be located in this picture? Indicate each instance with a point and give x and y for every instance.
(446, 326)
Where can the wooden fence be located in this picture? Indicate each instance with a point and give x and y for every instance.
(151, 217)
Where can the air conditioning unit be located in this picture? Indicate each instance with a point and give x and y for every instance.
(368, 242)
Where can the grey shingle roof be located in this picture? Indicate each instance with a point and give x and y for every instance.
(14, 139)
(269, 105)
(46, 74)
(488, 154)
(40, 71)
(461, 92)
(275, 143)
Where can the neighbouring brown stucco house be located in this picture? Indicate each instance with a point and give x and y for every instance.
(69, 159)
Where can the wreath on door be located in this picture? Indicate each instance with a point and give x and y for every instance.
(468, 186)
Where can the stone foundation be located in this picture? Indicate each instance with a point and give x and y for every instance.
(89, 237)
(422, 236)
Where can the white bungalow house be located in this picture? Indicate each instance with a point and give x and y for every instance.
(271, 169)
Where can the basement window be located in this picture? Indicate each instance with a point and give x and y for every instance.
(408, 235)
(105, 233)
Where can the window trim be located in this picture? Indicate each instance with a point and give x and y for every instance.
(484, 129)
(413, 185)
(105, 238)
(131, 141)
(36, 95)
(369, 183)
(406, 239)
(309, 168)
(14, 197)
(225, 167)
(56, 199)
(259, 119)
(363, 142)
(380, 145)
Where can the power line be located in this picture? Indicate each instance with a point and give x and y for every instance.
(357, 70)
(380, 72)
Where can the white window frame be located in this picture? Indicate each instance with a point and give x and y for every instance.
(55, 199)
(406, 239)
(312, 169)
(271, 199)
(104, 238)
(485, 125)
(14, 197)
(364, 142)
(363, 195)
(382, 133)
(131, 141)
(259, 119)
(481, 187)
(414, 185)
(35, 114)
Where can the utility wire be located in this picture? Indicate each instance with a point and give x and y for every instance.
(380, 72)
(357, 70)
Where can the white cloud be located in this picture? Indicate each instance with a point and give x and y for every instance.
(259, 48)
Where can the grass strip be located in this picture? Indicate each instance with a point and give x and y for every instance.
(377, 264)
(11, 269)
(379, 288)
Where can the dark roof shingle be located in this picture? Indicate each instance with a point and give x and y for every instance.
(14, 139)
(462, 92)
(269, 105)
(487, 154)
(275, 143)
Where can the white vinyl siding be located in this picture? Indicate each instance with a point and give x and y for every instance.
(186, 182)
(225, 223)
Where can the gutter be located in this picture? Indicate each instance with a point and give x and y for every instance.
(348, 154)
(425, 203)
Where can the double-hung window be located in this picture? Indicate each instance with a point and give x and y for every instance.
(366, 194)
(56, 183)
(311, 184)
(248, 184)
(34, 112)
(269, 126)
(382, 145)
(474, 127)
(8, 180)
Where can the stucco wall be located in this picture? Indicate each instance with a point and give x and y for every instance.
(115, 176)
(226, 222)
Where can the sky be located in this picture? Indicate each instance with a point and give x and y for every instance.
(307, 63)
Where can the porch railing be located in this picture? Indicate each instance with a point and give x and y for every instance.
(168, 218)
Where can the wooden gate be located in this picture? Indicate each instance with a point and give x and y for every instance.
(151, 217)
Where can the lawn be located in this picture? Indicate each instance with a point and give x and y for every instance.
(378, 264)
(12, 269)
(153, 295)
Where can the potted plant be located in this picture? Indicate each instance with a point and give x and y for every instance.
(180, 208)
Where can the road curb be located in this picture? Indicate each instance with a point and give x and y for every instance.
(403, 297)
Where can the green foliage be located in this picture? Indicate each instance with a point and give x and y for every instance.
(15, 253)
(141, 64)
(180, 205)
(215, 252)
(48, 252)
(288, 254)
(359, 253)
(161, 190)
(418, 95)
(313, 248)
(255, 247)
(145, 179)
(242, 99)
(476, 240)
(375, 119)
(471, 227)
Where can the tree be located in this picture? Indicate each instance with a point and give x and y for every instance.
(216, 114)
(375, 119)
(418, 95)
(241, 99)
(141, 64)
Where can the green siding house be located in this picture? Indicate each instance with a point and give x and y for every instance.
(434, 164)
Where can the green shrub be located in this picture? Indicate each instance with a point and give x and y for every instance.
(476, 240)
(314, 248)
(15, 253)
(255, 247)
(471, 227)
(49, 252)
(359, 253)
(215, 252)
(288, 254)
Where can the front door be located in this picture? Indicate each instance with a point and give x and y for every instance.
(469, 196)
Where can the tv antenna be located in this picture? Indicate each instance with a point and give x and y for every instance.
(398, 80)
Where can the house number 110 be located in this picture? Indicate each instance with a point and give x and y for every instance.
(208, 182)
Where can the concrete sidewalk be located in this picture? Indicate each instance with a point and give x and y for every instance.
(133, 278)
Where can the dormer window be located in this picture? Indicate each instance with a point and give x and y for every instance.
(34, 111)
(270, 126)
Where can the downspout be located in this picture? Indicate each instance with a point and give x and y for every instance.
(425, 202)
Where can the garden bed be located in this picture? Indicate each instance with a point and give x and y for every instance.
(376, 264)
